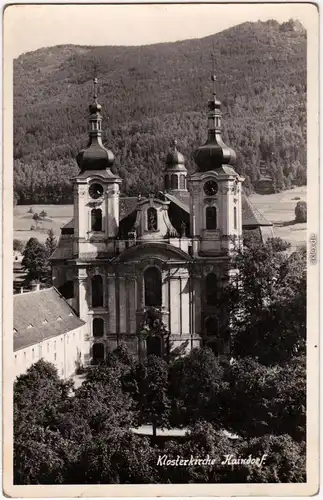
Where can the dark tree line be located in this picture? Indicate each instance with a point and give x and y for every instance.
(156, 93)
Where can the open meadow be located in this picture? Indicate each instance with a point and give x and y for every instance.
(278, 208)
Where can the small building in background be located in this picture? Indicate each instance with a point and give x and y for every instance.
(46, 327)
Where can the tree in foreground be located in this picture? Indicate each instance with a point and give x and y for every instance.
(266, 301)
(35, 261)
(40, 451)
(152, 380)
(197, 388)
(284, 460)
(267, 399)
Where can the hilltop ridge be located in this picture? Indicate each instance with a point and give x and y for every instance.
(154, 93)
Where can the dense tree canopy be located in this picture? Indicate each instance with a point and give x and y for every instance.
(155, 93)
(35, 261)
(266, 300)
(63, 435)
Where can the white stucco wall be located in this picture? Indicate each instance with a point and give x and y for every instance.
(63, 351)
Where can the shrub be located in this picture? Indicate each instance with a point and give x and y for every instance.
(31, 210)
(301, 211)
(18, 245)
(32, 227)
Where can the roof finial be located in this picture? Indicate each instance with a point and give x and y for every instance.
(95, 88)
(213, 77)
(174, 143)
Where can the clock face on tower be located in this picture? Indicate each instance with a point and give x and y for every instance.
(96, 190)
(210, 188)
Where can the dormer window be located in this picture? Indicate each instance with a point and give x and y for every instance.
(152, 219)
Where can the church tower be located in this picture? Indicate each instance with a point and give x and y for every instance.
(175, 173)
(215, 188)
(96, 191)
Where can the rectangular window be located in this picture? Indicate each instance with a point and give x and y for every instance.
(33, 353)
(55, 356)
(235, 217)
(211, 218)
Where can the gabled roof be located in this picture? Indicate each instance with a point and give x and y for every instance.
(68, 228)
(64, 249)
(251, 217)
(179, 202)
(41, 315)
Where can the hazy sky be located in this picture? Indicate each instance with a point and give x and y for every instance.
(29, 27)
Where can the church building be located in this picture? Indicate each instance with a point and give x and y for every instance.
(119, 257)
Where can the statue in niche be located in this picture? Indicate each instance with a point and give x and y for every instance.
(183, 229)
(152, 219)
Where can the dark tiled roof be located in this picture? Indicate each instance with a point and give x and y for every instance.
(40, 315)
(64, 249)
(68, 228)
(251, 215)
(126, 225)
(127, 205)
(103, 173)
(178, 201)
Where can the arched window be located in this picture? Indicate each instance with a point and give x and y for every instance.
(98, 327)
(182, 182)
(167, 183)
(97, 291)
(154, 346)
(67, 289)
(153, 287)
(211, 216)
(211, 289)
(152, 219)
(96, 219)
(174, 181)
(98, 352)
(212, 326)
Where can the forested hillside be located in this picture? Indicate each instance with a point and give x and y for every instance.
(152, 94)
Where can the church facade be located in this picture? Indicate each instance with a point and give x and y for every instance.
(121, 257)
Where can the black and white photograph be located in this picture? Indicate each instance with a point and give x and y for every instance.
(160, 232)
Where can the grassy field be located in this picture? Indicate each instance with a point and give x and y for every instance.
(57, 216)
(277, 208)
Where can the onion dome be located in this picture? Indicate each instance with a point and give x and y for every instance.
(174, 159)
(95, 156)
(214, 153)
(175, 172)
